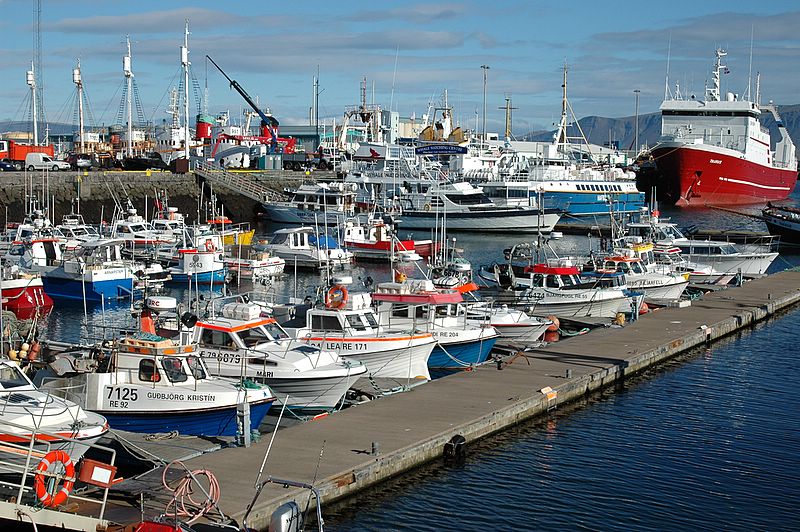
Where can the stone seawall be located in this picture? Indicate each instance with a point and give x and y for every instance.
(97, 192)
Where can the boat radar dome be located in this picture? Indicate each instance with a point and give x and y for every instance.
(161, 303)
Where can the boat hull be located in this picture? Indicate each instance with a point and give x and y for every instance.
(461, 354)
(585, 308)
(26, 298)
(486, 220)
(786, 228)
(290, 214)
(215, 276)
(62, 288)
(220, 421)
(700, 174)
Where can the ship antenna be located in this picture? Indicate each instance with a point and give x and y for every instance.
(750, 71)
(666, 78)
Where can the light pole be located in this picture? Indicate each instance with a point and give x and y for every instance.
(636, 124)
(485, 69)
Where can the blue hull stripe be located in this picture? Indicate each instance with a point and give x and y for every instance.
(217, 276)
(221, 422)
(73, 289)
(473, 352)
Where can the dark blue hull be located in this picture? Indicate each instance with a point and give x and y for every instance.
(217, 276)
(218, 422)
(58, 287)
(472, 352)
(595, 204)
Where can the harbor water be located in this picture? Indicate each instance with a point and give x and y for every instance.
(708, 442)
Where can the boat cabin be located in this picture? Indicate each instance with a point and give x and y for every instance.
(355, 318)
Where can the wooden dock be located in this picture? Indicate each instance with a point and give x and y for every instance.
(364, 445)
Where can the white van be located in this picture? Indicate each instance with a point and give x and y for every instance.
(41, 161)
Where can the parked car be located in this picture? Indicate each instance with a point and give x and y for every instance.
(80, 161)
(40, 161)
(7, 166)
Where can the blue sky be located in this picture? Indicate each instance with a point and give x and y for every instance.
(410, 52)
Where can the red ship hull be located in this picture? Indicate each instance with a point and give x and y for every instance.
(695, 175)
(27, 300)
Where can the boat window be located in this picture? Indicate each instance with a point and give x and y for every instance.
(11, 377)
(216, 338)
(173, 368)
(537, 279)
(727, 249)
(148, 372)
(637, 268)
(325, 322)
(551, 281)
(279, 238)
(371, 320)
(196, 367)
(354, 320)
(275, 331)
(252, 337)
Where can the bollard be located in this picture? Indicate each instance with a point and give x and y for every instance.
(568, 373)
(376, 448)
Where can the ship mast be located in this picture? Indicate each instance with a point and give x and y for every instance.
(30, 79)
(712, 94)
(185, 63)
(76, 79)
(126, 69)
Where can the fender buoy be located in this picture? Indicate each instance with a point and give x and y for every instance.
(210, 246)
(336, 297)
(427, 207)
(553, 327)
(39, 480)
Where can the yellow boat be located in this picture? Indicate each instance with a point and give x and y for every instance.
(232, 234)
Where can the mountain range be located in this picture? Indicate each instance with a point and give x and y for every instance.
(600, 130)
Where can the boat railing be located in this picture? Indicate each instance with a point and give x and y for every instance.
(58, 387)
(19, 461)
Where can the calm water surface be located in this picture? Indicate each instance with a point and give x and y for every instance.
(709, 442)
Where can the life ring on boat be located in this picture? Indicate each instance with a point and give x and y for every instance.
(210, 246)
(427, 207)
(39, 480)
(336, 297)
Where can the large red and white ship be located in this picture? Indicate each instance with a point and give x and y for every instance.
(716, 152)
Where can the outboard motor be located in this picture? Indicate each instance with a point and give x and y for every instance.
(287, 518)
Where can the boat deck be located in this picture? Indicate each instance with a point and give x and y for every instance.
(366, 444)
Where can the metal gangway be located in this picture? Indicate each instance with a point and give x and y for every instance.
(235, 182)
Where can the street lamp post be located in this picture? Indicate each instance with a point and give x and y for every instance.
(485, 69)
(636, 123)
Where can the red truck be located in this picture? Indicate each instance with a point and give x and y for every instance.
(15, 152)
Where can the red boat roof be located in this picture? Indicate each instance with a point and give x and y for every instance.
(552, 270)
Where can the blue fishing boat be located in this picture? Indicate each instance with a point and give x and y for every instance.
(203, 266)
(155, 384)
(418, 304)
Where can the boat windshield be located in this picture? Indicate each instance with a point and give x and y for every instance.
(196, 367)
(12, 377)
(173, 368)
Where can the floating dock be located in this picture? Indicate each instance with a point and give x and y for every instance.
(358, 447)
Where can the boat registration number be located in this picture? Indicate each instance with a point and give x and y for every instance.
(120, 397)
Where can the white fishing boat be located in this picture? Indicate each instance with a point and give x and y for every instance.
(316, 203)
(147, 383)
(510, 323)
(304, 248)
(348, 326)
(724, 258)
(239, 342)
(555, 288)
(257, 265)
(657, 287)
(419, 305)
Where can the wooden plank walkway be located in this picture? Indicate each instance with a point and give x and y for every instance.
(412, 428)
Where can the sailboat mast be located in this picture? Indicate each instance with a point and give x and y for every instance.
(76, 79)
(185, 63)
(30, 79)
(126, 69)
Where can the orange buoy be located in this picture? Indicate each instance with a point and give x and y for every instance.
(553, 327)
(551, 336)
(644, 309)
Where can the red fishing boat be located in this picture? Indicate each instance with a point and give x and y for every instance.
(23, 294)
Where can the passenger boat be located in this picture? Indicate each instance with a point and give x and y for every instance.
(304, 248)
(348, 326)
(147, 383)
(427, 203)
(716, 152)
(783, 221)
(316, 204)
(238, 342)
(419, 305)
(23, 293)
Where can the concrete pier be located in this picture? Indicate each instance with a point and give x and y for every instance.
(351, 450)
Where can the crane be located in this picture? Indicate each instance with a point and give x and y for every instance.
(268, 123)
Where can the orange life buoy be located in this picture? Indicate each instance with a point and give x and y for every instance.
(336, 297)
(210, 246)
(39, 480)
